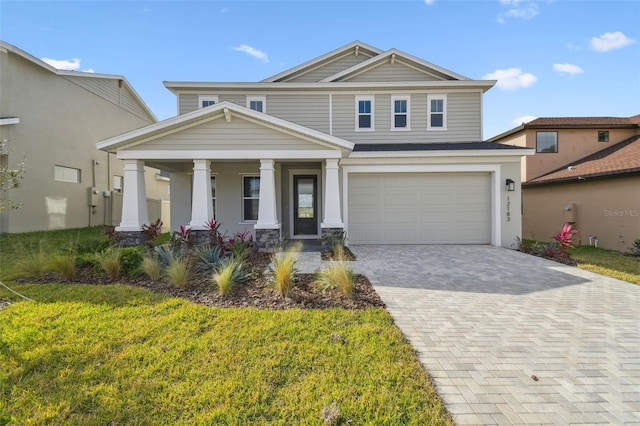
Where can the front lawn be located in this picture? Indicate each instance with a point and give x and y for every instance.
(608, 262)
(115, 354)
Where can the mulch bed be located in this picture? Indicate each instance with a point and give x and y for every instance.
(258, 292)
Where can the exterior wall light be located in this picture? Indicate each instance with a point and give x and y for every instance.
(511, 185)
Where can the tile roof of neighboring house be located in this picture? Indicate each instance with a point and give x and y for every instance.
(602, 123)
(619, 159)
(374, 147)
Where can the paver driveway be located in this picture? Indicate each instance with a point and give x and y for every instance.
(486, 320)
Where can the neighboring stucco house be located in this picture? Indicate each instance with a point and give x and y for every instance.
(380, 144)
(53, 119)
(586, 171)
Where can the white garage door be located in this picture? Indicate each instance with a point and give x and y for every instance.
(420, 208)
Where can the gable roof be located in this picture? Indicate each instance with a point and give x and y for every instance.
(355, 46)
(392, 55)
(619, 159)
(574, 123)
(223, 109)
(6, 47)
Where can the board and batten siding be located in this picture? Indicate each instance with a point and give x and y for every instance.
(108, 89)
(388, 72)
(463, 119)
(237, 135)
(330, 68)
(188, 102)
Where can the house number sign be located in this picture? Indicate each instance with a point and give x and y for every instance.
(508, 209)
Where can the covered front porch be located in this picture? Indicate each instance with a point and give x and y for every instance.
(244, 169)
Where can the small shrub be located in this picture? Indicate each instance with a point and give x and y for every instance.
(87, 247)
(216, 238)
(337, 242)
(109, 261)
(131, 260)
(635, 248)
(64, 264)
(151, 232)
(284, 270)
(230, 272)
(151, 267)
(241, 245)
(210, 257)
(167, 254)
(33, 263)
(178, 272)
(565, 241)
(338, 275)
(182, 238)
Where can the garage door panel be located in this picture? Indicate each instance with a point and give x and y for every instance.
(420, 208)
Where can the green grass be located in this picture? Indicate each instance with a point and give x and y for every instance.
(608, 262)
(115, 354)
(12, 245)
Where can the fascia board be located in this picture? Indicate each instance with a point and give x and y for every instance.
(444, 153)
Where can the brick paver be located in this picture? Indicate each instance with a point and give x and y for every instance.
(485, 321)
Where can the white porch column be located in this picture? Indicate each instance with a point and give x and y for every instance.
(201, 204)
(134, 197)
(267, 213)
(332, 217)
(180, 199)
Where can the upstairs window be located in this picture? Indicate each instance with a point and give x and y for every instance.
(257, 103)
(400, 108)
(364, 113)
(603, 136)
(67, 174)
(437, 112)
(546, 142)
(205, 101)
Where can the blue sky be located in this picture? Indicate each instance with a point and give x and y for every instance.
(552, 58)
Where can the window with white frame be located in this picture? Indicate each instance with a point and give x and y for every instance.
(364, 113)
(250, 198)
(436, 112)
(257, 103)
(400, 113)
(118, 182)
(213, 195)
(205, 101)
(67, 174)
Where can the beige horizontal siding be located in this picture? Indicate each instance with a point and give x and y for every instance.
(306, 110)
(331, 68)
(237, 135)
(108, 89)
(388, 72)
(463, 120)
(189, 102)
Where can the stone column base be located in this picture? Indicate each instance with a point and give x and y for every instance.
(130, 238)
(268, 240)
(200, 237)
(327, 235)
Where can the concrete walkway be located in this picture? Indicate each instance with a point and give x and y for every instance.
(510, 338)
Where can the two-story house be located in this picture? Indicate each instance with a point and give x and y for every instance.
(586, 171)
(381, 144)
(53, 118)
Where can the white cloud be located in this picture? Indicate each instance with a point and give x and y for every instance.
(568, 69)
(511, 78)
(523, 119)
(517, 10)
(429, 2)
(610, 41)
(253, 52)
(224, 10)
(63, 64)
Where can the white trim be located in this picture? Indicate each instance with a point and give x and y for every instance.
(393, 113)
(330, 113)
(9, 120)
(262, 99)
(496, 187)
(442, 97)
(444, 153)
(319, 204)
(227, 155)
(63, 170)
(207, 98)
(370, 98)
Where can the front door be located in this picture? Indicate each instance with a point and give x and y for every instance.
(305, 205)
